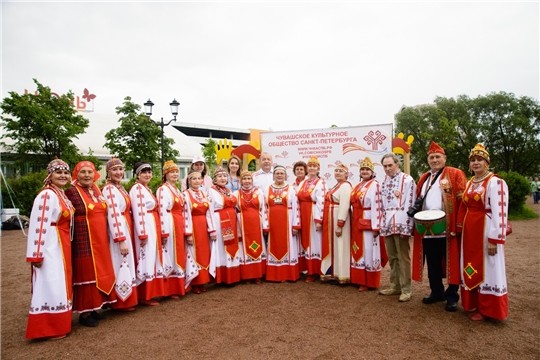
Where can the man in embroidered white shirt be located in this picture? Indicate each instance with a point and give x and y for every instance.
(398, 195)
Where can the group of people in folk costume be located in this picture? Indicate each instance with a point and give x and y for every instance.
(91, 248)
(465, 245)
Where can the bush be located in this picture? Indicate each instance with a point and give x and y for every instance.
(25, 189)
(518, 189)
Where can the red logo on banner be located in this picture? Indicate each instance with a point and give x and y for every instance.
(375, 139)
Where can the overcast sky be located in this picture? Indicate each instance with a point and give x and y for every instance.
(278, 65)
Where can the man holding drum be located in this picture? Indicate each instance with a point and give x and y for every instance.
(435, 237)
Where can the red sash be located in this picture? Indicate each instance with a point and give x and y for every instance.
(64, 235)
(201, 241)
(473, 235)
(227, 218)
(99, 239)
(177, 212)
(358, 223)
(278, 216)
(251, 225)
(306, 213)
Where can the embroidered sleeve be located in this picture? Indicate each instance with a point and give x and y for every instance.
(138, 208)
(165, 203)
(210, 218)
(295, 209)
(374, 194)
(187, 212)
(318, 198)
(497, 198)
(115, 219)
(45, 211)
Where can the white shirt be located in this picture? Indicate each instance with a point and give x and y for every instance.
(262, 180)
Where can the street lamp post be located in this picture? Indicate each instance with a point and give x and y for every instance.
(174, 110)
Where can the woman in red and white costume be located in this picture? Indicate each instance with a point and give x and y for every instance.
(172, 210)
(227, 246)
(252, 220)
(200, 231)
(336, 237)
(93, 272)
(367, 251)
(284, 222)
(310, 193)
(120, 225)
(49, 252)
(483, 216)
(148, 242)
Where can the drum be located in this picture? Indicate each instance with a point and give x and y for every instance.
(430, 222)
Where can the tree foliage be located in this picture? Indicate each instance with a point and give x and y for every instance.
(209, 154)
(508, 127)
(42, 124)
(518, 187)
(510, 130)
(138, 138)
(21, 191)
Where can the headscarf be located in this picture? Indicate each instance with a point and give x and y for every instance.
(81, 165)
(191, 175)
(169, 166)
(113, 162)
(479, 150)
(280, 167)
(343, 167)
(140, 166)
(247, 174)
(54, 165)
(219, 170)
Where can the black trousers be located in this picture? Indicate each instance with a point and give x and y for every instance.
(435, 253)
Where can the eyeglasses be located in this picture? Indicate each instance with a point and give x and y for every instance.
(339, 170)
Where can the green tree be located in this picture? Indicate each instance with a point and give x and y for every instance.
(508, 127)
(42, 126)
(137, 138)
(518, 190)
(209, 154)
(426, 123)
(510, 131)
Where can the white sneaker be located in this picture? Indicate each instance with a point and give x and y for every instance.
(404, 297)
(390, 292)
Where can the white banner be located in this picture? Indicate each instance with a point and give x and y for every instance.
(348, 145)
